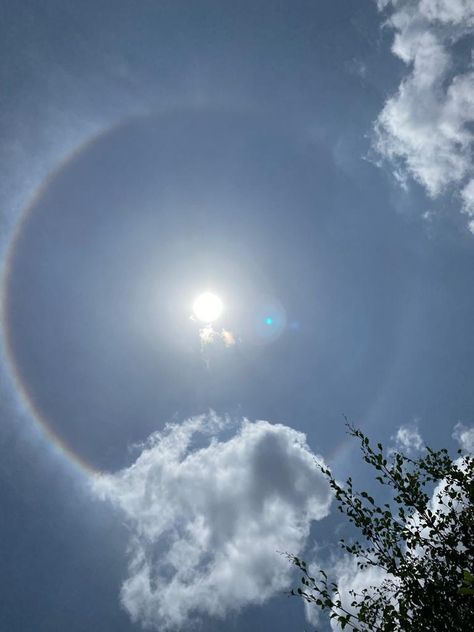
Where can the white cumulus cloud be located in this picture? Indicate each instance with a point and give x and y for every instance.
(425, 128)
(465, 437)
(408, 439)
(209, 505)
(350, 579)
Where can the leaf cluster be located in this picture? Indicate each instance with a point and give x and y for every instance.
(422, 543)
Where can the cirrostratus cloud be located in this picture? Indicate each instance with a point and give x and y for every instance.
(426, 127)
(208, 514)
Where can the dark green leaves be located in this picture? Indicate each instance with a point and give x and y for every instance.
(424, 545)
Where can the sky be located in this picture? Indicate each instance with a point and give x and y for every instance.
(309, 162)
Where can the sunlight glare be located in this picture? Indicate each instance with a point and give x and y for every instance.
(207, 307)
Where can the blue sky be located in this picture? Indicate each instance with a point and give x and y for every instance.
(310, 163)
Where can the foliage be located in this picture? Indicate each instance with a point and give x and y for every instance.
(423, 543)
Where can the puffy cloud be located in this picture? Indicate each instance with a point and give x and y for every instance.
(408, 439)
(467, 195)
(208, 513)
(424, 129)
(454, 12)
(465, 437)
(349, 578)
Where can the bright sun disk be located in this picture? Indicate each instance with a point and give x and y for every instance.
(207, 307)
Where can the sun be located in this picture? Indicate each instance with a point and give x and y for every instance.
(207, 307)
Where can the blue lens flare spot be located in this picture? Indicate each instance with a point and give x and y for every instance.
(268, 321)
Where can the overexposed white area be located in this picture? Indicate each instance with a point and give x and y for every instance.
(210, 504)
(207, 307)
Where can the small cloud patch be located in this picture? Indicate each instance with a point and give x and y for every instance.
(210, 336)
(408, 440)
(465, 437)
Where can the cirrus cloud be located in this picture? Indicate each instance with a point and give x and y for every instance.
(208, 513)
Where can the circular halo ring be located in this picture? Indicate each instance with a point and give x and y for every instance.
(58, 444)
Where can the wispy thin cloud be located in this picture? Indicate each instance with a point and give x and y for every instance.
(210, 336)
